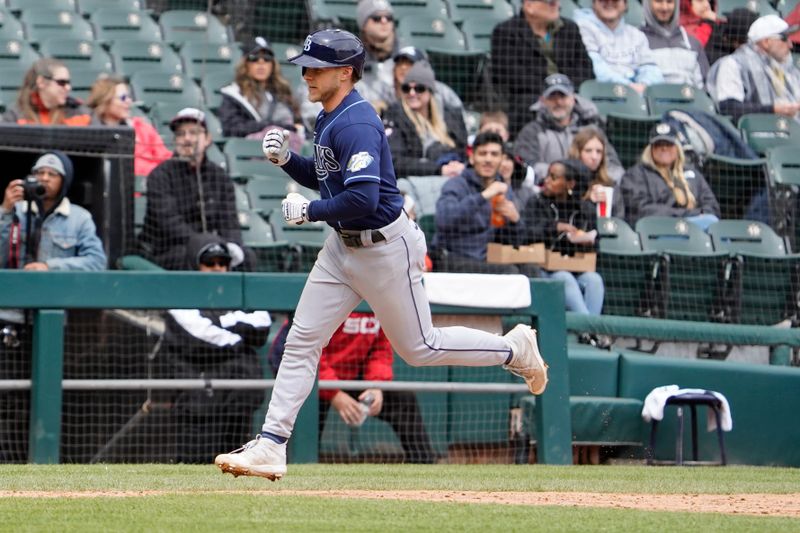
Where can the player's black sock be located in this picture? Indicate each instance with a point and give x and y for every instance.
(273, 437)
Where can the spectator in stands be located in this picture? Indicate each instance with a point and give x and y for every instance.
(729, 34)
(187, 194)
(259, 97)
(661, 184)
(359, 350)
(561, 219)
(620, 53)
(759, 77)
(699, 18)
(213, 344)
(589, 149)
(474, 209)
(680, 56)
(44, 97)
(528, 47)
(424, 139)
(376, 23)
(495, 121)
(404, 59)
(110, 101)
(40, 230)
(559, 114)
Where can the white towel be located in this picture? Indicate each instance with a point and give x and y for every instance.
(495, 291)
(655, 402)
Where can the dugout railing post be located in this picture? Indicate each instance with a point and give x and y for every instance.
(47, 370)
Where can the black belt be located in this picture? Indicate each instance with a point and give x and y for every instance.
(352, 238)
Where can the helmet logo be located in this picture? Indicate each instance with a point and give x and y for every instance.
(307, 44)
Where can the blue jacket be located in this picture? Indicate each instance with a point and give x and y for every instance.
(68, 240)
(463, 218)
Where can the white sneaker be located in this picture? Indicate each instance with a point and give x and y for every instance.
(526, 361)
(259, 457)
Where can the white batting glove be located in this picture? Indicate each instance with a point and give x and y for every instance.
(276, 146)
(295, 208)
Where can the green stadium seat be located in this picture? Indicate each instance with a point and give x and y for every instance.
(427, 223)
(663, 97)
(463, 71)
(271, 255)
(763, 131)
(698, 281)
(214, 154)
(255, 230)
(179, 26)
(783, 167)
(478, 34)
(337, 13)
(266, 193)
(246, 160)
(419, 9)
(10, 81)
(121, 24)
(77, 53)
(202, 58)
(767, 276)
(131, 56)
(282, 20)
(155, 86)
(631, 276)
(426, 191)
(567, 8)
(17, 53)
(285, 51)
(90, 6)
(430, 33)
(10, 26)
(490, 13)
(735, 182)
(43, 24)
(212, 82)
(82, 81)
(24, 5)
(307, 238)
(614, 98)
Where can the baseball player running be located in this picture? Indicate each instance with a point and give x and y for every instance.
(376, 253)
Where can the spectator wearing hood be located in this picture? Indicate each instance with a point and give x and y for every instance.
(680, 56)
(259, 97)
(526, 48)
(44, 98)
(559, 113)
(620, 53)
(560, 218)
(424, 139)
(187, 194)
(661, 184)
(62, 233)
(214, 344)
(760, 76)
(47, 233)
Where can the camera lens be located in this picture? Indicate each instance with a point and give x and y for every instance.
(32, 188)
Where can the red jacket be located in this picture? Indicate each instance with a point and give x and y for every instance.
(358, 350)
(149, 150)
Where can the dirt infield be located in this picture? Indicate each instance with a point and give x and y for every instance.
(737, 504)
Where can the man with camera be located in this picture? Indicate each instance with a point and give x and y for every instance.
(40, 229)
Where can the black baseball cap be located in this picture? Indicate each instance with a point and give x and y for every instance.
(664, 132)
(213, 250)
(558, 83)
(259, 44)
(412, 53)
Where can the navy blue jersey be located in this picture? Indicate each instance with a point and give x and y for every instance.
(352, 168)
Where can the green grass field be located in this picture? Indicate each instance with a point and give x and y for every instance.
(199, 498)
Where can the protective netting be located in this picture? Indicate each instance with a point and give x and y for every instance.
(440, 73)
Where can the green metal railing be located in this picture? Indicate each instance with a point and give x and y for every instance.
(50, 293)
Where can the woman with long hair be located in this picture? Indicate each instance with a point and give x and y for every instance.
(259, 97)
(44, 97)
(662, 184)
(589, 148)
(110, 102)
(424, 139)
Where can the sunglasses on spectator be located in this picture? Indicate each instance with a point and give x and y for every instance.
(419, 89)
(59, 82)
(253, 58)
(381, 18)
(123, 97)
(216, 262)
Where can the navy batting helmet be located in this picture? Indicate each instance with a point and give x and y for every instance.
(332, 48)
